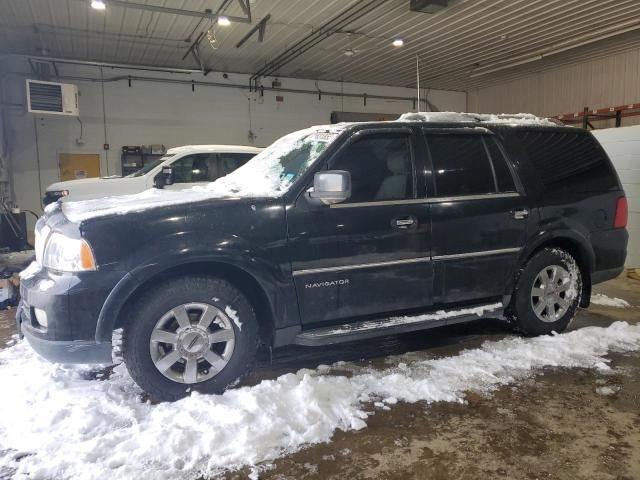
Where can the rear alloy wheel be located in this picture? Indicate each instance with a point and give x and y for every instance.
(547, 293)
(190, 333)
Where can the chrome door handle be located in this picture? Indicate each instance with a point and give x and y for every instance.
(520, 213)
(404, 222)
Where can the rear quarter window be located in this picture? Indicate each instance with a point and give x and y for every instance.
(568, 162)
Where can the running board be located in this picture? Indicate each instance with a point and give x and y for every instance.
(361, 330)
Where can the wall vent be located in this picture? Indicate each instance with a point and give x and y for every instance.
(52, 98)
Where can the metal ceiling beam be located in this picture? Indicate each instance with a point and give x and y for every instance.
(246, 8)
(175, 11)
(260, 27)
(336, 24)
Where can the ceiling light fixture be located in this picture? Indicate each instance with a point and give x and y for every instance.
(224, 21)
(398, 42)
(98, 4)
(349, 52)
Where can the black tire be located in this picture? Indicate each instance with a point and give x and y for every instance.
(521, 312)
(171, 294)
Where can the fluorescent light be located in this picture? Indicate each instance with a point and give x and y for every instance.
(224, 21)
(398, 42)
(98, 4)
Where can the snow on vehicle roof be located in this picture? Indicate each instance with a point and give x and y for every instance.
(213, 148)
(456, 117)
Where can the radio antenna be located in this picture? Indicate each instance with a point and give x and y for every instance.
(418, 79)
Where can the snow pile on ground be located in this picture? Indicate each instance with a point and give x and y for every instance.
(600, 299)
(59, 422)
(455, 117)
(262, 176)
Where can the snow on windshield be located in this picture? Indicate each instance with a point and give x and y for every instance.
(68, 422)
(268, 174)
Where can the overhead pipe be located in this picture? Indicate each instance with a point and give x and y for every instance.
(191, 83)
(66, 61)
(322, 33)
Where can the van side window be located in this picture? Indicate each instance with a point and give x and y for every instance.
(461, 165)
(568, 162)
(194, 168)
(380, 165)
(228, 162)
(500, 167)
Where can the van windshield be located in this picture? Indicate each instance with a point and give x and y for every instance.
(275, 169)
(149, 165)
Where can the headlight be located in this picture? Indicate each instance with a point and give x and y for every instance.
(68, 254)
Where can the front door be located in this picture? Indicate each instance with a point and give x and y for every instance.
(479, 216)
(369, 254)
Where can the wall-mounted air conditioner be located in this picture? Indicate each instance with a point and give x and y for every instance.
(53, 98)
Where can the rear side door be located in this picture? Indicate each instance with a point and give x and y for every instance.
(370, 254)
(479, 215)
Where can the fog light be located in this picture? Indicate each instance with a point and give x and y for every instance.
(41, 317)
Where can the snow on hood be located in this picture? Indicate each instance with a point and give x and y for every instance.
(62, 422)
(455, 117)
(259, 177)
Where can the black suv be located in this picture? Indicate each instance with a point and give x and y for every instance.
(332, 234)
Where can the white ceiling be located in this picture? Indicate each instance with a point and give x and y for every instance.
(469, 43)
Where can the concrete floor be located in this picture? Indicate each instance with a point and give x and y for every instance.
(553, 426)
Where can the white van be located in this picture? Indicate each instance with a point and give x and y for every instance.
(181, 167)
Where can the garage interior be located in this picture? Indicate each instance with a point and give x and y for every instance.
(144, 76)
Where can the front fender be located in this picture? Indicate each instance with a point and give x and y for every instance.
(274, 283)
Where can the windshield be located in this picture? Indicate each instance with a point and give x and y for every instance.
(275, 169)
(149, 165)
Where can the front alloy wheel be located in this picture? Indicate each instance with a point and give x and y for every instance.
(192, 342)
(189, 333)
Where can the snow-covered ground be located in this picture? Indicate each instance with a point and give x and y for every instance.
(60, 422)
(601, 299)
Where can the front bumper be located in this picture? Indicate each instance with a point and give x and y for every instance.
(64, 351)
(72, 304)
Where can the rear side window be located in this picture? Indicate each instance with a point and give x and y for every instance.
(461, 165)
(504, 179)
(568, 162)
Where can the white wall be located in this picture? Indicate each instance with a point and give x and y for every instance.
(171, 114)
(623, 147)
(597, 83)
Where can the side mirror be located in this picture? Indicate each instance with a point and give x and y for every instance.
(165, 177)
(332, 186)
